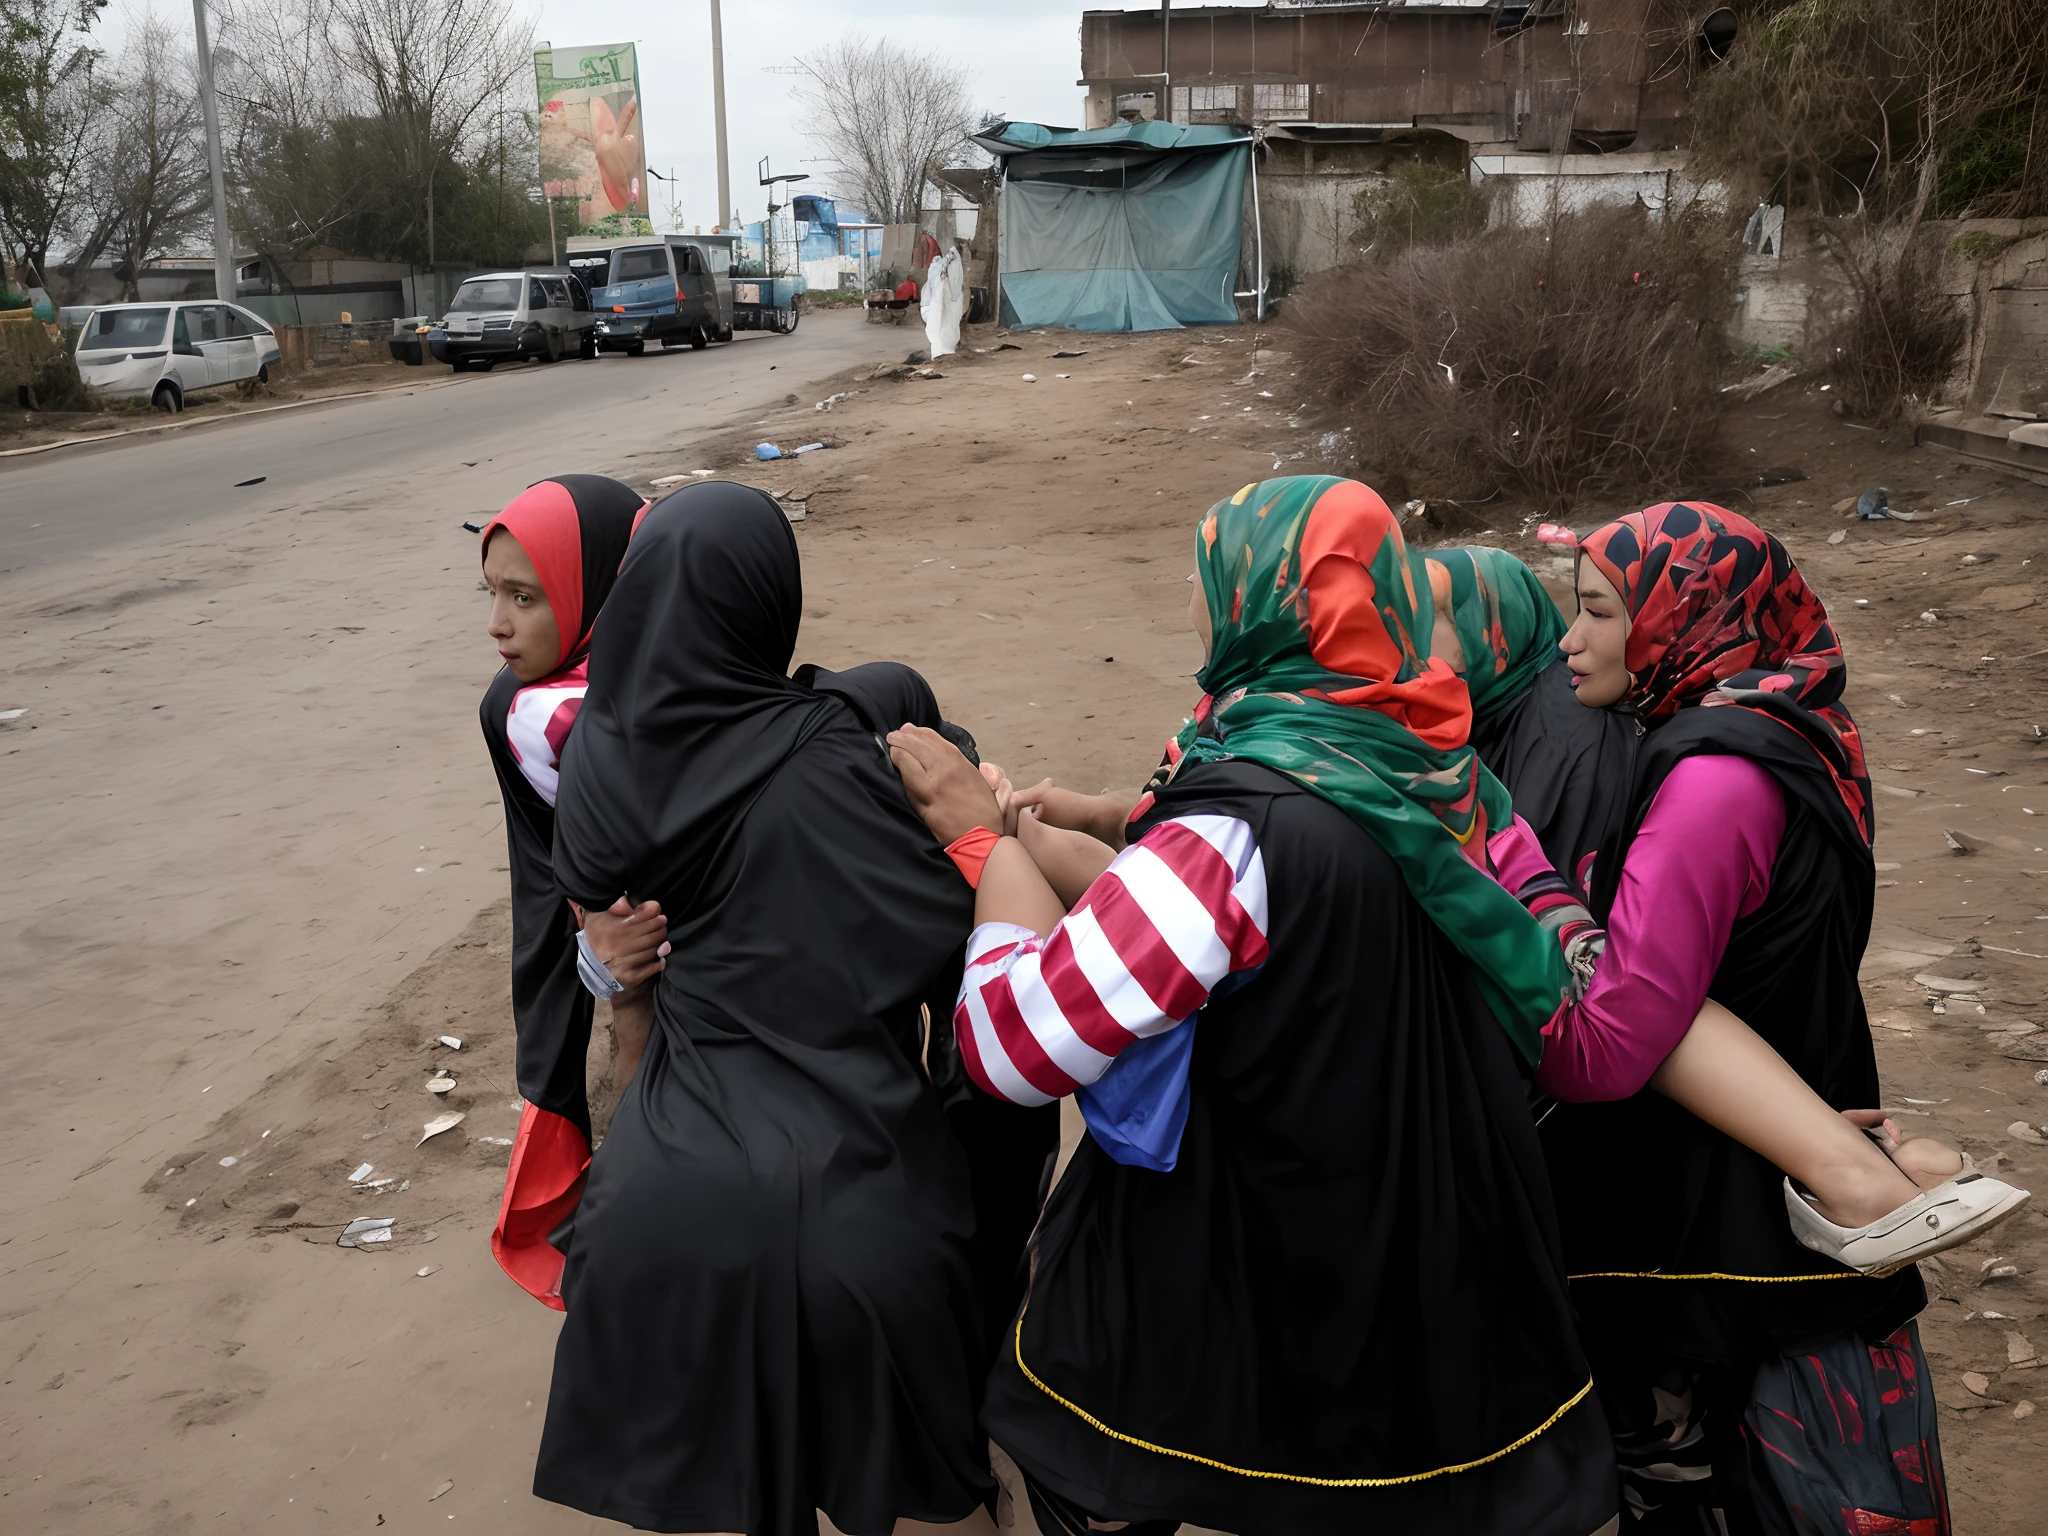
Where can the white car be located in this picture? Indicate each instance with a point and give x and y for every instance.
(164, 352)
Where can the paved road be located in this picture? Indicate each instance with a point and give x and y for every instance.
(465, 448)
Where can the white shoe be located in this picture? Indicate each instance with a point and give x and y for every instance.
(1943, 1217)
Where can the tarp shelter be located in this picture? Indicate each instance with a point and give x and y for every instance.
(1131, 228)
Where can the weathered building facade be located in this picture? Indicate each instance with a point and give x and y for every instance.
(1588, 96)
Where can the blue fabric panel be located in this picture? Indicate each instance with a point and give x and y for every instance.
(1153, 254)
(1137, 1110)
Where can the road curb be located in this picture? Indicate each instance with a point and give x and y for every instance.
(208, 421)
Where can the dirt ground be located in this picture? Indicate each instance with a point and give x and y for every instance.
(258, 872)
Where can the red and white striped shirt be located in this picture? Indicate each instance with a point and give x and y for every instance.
(538, 724)
(1175, 913)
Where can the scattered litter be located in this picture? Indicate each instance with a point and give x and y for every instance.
(1749, 389)
(1069, 376)
(495, 1141)
(1927, 1101)
(361, 1174)
(767, 451)
(427, 1269)
(2023, 1410)
(1834, 538)
(1961, 842)
(438, 1124)
(926, 373)
(1873, 504)
(445, 1486)
(451, 1042)
(12, 714)
(365, 1230)
(1949, 984)
(2018, 1351)
(1977, 1382)
(702, 474)
(829, 401)
(2002, 1272)
(229, 1162)
(1929, 617)
(442, 1084)
(1030, 378)
(808, 448)
(2041, 1078)
(1862, 602)
(1081, 352)
(669, 480)
(2026, 1133)
(257, 481)
(471, 525)
(1963, 502)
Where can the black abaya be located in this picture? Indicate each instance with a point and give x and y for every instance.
(772, 1305)
(1566, 766)
(1344, 1308)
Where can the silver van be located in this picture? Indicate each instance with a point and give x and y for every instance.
(502, 317)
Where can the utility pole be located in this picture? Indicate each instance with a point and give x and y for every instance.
(223, 250)
(718, 114)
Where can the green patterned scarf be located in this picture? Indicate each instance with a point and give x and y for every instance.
(1357, 736)
(1506, 622)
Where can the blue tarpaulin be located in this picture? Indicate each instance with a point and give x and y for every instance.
(1130, 228)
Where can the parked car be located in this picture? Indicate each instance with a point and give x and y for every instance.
(502, 317)
(671, 289)
(165, 352)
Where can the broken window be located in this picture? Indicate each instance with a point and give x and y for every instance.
(1280, 101)
(1191, 99)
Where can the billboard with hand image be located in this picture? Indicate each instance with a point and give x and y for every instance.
(592, 165)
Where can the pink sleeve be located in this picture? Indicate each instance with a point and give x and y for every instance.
(1701, 859)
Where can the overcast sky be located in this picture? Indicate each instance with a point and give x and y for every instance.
(1021, 57)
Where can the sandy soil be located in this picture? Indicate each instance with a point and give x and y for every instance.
(255, 870)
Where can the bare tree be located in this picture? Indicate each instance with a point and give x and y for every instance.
(886, 117)
(294, 172)
(149, 168)
(49, 97)
(433, 71)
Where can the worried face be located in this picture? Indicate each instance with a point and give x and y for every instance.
(523, 624)
(1596, 646)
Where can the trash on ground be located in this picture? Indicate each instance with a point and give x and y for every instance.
(1030, 378)
(361, 1174)
(808, 448)
(2026, 1133)
(426, 1270)
(2002, 1272)
(926, 373)
(2022, 1410)
(1950, 984)
(364, 1230)
(669, 480)
(495, 1141)
(2041, 1077)
(1072, 352)
(451, 1042)
(471, 525)
(438, 1124)
(446, 1484)
(1930, 617)
(442, 1084)
(829, 401)
(12, 714)
(1834, 538)
(229, 1162)
(1750, 388)
(257, 481)
(1873, 503)
(1961, 842)
(1977, 1382)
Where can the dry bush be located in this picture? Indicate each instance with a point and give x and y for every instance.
(1578, 356)
(1895, 345)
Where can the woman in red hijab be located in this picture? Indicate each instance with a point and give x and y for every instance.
(550, 559)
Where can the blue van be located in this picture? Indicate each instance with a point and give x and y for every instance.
(667, 288)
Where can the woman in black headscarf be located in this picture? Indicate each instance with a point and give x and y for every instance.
(771, 1294)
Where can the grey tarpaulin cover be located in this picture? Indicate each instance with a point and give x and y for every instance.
(1130, 228)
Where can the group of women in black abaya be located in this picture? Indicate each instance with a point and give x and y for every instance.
(1393, 894)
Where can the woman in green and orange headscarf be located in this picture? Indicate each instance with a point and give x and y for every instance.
(1326, 1295)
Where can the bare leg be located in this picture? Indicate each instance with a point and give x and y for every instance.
(1724, 1073)
(632, 1023)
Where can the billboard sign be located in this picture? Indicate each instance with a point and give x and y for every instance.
(592, 165)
